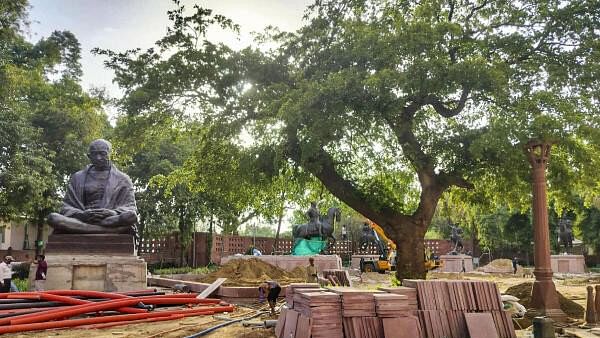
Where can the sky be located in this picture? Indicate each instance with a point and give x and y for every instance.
(126, 24)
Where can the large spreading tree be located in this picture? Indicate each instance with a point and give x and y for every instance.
(391, 103)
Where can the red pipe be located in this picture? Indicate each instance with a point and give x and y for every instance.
(95, 307)
(147, 299)
(125, 322)
(71, 301)
(108, 319)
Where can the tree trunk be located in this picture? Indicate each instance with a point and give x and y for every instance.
(276, 242)
(182, 234)
(40, 235)
(410, 251)
(210, 240)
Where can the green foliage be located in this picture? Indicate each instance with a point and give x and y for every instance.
(433, 233)
(21, 283)
(258, 231)
(389, 104)
(590, 228)
(46, 124)
(203, 270)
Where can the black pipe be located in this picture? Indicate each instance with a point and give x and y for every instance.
(210, 329)
(29, 305)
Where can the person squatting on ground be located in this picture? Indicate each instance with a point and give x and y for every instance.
(271, 289)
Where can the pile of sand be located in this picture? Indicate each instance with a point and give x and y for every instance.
(523, 292)
(252, 272)
(502, 265)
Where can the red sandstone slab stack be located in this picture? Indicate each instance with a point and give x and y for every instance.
(324, 311)
(442, 305)
(357, 302)
(363, 327)
(359, 312)
(289, 291)
(402, 327)
(411, 292)
(393, 305)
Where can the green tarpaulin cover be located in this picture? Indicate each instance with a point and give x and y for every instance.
(308, 247)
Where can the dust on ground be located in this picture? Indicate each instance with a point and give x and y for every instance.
(253, 271)
(523, 292)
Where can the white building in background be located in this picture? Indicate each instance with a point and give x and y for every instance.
(19, 235)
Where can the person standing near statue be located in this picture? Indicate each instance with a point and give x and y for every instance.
(99, 199)
(344, 233)
(6, 274)
(311, 271)
(40, 273)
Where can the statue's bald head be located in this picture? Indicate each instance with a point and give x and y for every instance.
(99, 154)
(100, 145)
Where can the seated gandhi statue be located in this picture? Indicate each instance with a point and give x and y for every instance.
(99, 198)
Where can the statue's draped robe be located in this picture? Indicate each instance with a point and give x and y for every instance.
(118, 193)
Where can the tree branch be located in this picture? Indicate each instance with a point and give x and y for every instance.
(474, 10)
(322, 166)
(442, 108)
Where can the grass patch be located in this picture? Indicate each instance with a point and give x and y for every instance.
(22, 284)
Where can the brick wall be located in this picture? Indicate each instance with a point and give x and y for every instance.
(167, 249)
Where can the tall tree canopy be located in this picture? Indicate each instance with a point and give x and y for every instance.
(391, 103)
(46, 119)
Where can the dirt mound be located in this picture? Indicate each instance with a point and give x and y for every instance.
(251, 272)
(523, 292)
(298, 272)
(501, 265)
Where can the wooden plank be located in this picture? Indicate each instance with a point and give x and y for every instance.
(211, 288)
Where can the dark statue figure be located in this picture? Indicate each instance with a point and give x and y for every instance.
(99, 199)
(367, 237)
(565, 234)
(318, 225)
(456, 239)
(314, 215)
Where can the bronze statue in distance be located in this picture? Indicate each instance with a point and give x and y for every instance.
(565, 234)
(99, 199)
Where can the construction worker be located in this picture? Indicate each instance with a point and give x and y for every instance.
(271, 289)
(311, 271)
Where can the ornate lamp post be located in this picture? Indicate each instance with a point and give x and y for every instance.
(544, 298)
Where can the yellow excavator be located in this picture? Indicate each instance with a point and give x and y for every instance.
(386, 248)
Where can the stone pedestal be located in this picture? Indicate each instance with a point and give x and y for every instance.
(454, 263)
(567, 263)
(93, 262)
